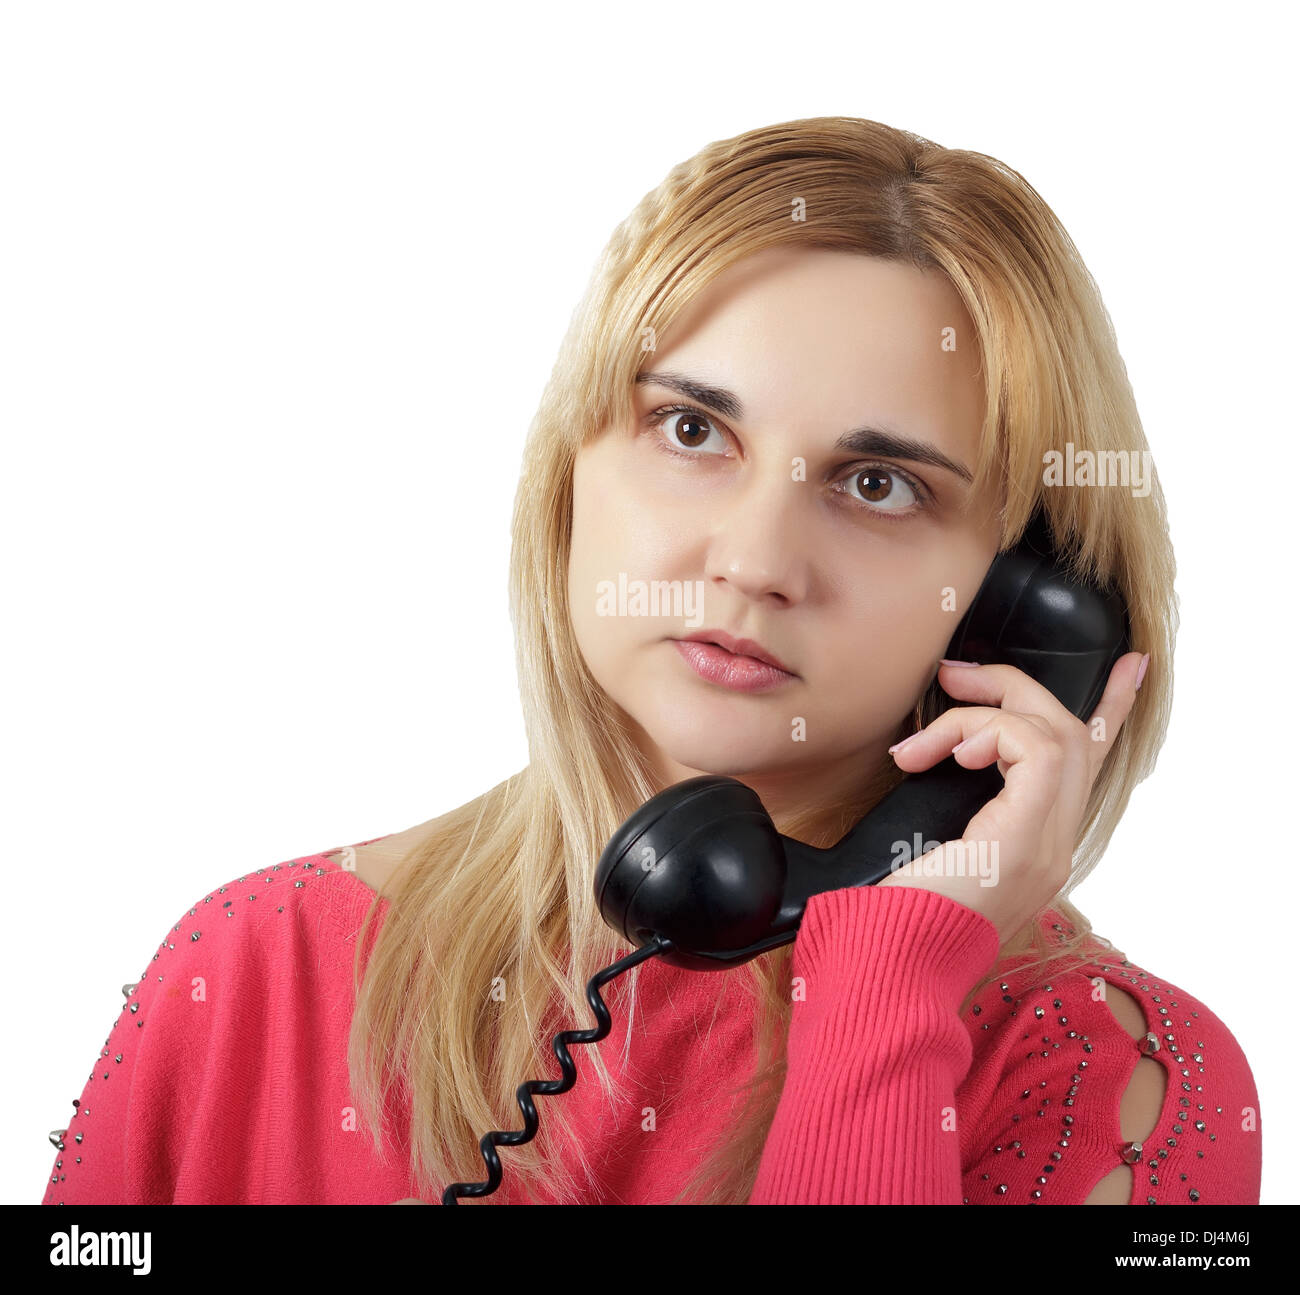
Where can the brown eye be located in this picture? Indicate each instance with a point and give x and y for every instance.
(884, 486)
(680, 430)
(689, 430)
(875, 485)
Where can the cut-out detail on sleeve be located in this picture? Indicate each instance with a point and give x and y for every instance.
(1140, 1105)
(1056, 1063)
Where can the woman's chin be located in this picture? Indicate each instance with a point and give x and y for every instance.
(732, 755)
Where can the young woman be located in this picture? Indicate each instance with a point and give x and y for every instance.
(812, 388)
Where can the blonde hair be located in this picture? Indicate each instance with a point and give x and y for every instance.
(500, 891)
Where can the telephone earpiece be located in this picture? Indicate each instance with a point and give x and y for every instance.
(702, 865)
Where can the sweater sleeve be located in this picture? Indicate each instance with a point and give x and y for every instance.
(177, 1107)
(876, 1050)
(130, 1132)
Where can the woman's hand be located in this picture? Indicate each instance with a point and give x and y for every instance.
(410, 1200)
(1049, 759)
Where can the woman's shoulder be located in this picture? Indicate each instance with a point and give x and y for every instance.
(261, 919)
(1140, 1066)
(325, 884)
(1158, 1014)
(294, 916)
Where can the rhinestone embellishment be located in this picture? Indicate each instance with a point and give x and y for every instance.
(1176, 1124)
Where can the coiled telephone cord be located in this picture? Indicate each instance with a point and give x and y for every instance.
(549, 1087)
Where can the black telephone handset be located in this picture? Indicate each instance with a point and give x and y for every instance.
(701, 864)
(699, 875)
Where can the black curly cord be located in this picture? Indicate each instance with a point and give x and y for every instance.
(547, 1087)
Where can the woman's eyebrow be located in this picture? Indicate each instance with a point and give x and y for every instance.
(862, 440)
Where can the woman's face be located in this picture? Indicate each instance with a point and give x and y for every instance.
(849, 564)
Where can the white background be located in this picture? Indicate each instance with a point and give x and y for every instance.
(280, 286)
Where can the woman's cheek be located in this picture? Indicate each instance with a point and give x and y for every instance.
(866, 693)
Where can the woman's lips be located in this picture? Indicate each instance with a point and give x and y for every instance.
(729, 669)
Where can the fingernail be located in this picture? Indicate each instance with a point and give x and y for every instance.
(945, 661)
(903, 743)
(1142, 670)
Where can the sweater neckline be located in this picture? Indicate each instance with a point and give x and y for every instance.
(335, 866)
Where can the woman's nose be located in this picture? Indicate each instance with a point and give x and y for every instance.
(758, 542)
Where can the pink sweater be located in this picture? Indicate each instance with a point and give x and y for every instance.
(224, 1079)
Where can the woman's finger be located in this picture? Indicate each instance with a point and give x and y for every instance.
(1031, 763)
(984, 735)
(936, 740)
(1007, 688)
(1114, 708)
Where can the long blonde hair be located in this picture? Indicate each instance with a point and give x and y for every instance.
(499, 893)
